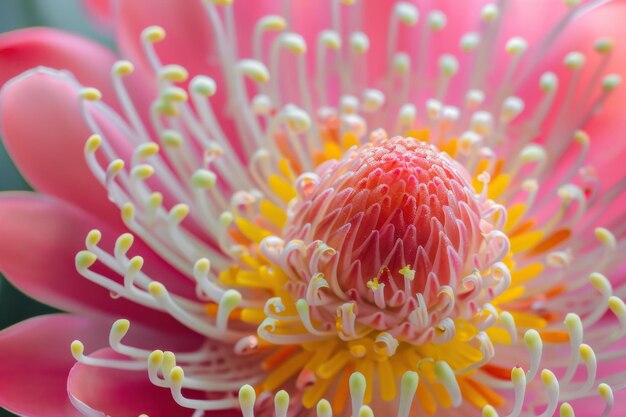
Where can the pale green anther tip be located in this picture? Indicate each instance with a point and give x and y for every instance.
(177, 375)
(605, 236)
(84, 259)
(203, 178)
(204, 85)
(142, 171)
(123, 68)
(77, 348)
(121, 326)
(611, 82)
(202, 265)
(605, 391)
(124, 241)
(409, 381)
(147, 150)
(366, 411)
(359, 42)
(572, 3)
(324, 408)
(255, 70)
(155, 199)
(294, 43)
(156, 357)
(156, 289)
(599, 281)
(135, 264)
(489, 411)
(153, 34)
(574, 60)
(617, 306)
(448, 65)
(532, 338)
(226, 218)
(93, 143)
(517, 374)
(604, 45)
(281, 400)
(172, 138)
(490, 12)
(437, 20)
(357, 382)
(90, 94)
(547, 377)
(128, 212)
(231, 298)
(179, 212)
(174, 73)
(174, 94)
(548, 82)
(566, 410)
(516, 46)
(247, 396)
(407, 13)
(93, 237)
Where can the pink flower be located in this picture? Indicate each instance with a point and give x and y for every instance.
(401, 208)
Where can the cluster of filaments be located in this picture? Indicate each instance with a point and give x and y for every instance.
(179, 195)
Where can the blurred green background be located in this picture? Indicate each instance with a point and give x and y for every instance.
(15, 14)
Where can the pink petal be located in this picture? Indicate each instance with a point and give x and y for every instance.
(24, 49)
(102, 391)
(44, 132)
(36, 360)
(40, 237)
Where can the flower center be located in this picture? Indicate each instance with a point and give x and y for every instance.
(384, 258)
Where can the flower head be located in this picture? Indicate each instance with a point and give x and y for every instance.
(338, 220)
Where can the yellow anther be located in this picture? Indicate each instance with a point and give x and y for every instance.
(247, 398)
(128, 212)
(175, 94)
(518, 374)
(272, 23)
(123, 68)
(359, 42)
(600, 282)
(611, 82)
(146, 150)
(77, 349)
(155, 358)
(294, 42)
(93, 238)
(586, 353)
(281, 401)
(174, 73)
(84, 259)
(574, 60)
(617, 306)
(179, 212)
(142, 172)
(255, 70)
(566, 410)
(135, 264)
(604, 45)
(516, 46)
(221, 2)
(490, 12)
(547, 377)
(90, 94)
(330, 39)
(115, 166)
(572, 3)
(373, 284)
(358, 351)
(153, 34)
(177, 376)
(124, 242)
(605, 391)
(120, 327)
(155, 200)
(407, 272)
(157, 289)
(93, 143)
(407, 13)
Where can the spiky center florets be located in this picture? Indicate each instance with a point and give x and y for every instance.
(387, 206)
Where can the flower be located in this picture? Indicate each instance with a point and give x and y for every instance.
(402, 209)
